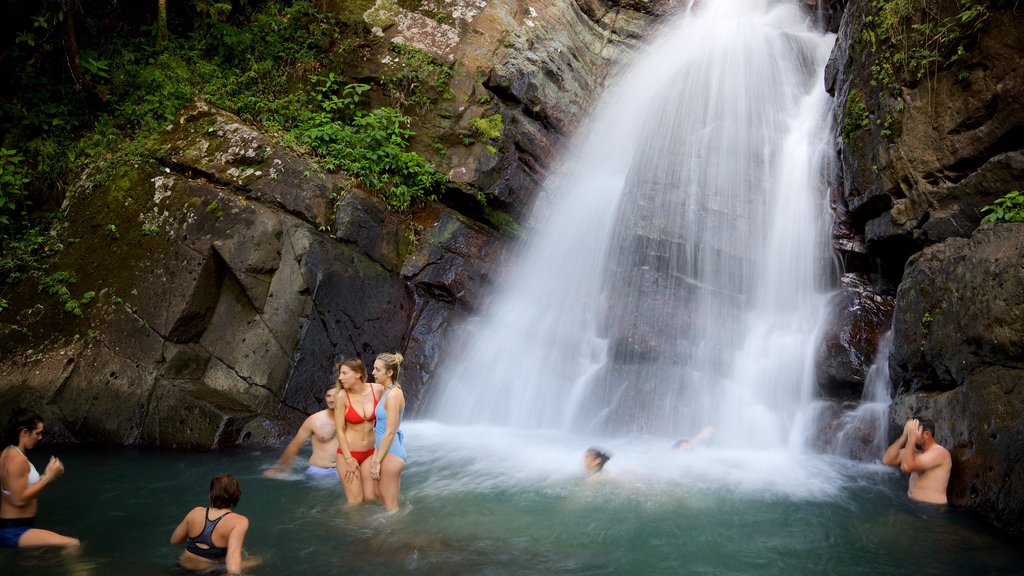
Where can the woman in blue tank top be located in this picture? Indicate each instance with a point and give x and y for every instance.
(389, 454)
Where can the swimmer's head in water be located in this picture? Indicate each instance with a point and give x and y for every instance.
(224, 491)
(683, 445)
(595, 459)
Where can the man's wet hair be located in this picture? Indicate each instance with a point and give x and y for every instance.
(926, 425)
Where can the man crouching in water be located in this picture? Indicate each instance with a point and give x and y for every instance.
(916, 452)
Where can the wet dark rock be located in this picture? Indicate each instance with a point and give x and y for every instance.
(915, 177)
(210, 142)
(859, 317)
(923, 165)
(958, 357)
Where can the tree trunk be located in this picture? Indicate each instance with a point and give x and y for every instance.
(71, 54)
(161, 31)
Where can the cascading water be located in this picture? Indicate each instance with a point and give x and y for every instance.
(676, 278)
(862, 433)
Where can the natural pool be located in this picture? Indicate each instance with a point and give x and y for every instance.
(496, 501)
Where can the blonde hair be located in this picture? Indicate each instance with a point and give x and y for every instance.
(393, 362)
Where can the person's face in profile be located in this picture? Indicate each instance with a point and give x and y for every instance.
(921, 440)
(347, 377)
(33, 436)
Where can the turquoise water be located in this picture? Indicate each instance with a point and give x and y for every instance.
(491, 501)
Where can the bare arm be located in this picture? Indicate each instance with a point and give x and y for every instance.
(293, 447)
(181, 532)
(235, 539)
(21, 494)
(351, 465)
(704, 434)
(892, 455)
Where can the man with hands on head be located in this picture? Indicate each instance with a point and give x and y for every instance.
(917, 453)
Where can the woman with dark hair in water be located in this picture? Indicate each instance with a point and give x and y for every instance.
(214, 534)
(21, 483)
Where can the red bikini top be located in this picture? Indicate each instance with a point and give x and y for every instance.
(353, 417)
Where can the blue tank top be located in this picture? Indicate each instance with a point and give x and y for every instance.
(381, 425)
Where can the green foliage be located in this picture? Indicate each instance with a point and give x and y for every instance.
(489, 128)
(371, 146)
(912, 37)
(12, 189)
(417, 79)
(213, 209)
(26, 254)
(56, 284)
(855, 117)
(1009, 208)
(886, 125)
(267, 61)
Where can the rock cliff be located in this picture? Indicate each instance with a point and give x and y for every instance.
(210, 289)
(930, 131)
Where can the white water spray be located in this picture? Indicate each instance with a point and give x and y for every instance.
(676, 276)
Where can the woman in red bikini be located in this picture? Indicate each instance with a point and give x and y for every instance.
(355, 402)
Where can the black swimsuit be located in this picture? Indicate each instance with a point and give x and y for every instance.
(207, 550)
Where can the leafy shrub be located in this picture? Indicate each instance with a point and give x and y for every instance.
(855, 117)
(12, 188)
(371, 146)
(25, 254)
(1009, 208)
(489, 127)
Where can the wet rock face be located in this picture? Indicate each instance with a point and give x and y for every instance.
(958, 357)
(534, 65)
(232, 273)
(916, 172)
(960, 310)
(222, 307)
(859, 316)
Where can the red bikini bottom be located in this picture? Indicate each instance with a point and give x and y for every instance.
(359, 456)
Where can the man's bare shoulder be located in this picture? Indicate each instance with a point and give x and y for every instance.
(941, 451)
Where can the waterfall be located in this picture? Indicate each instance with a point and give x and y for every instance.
(676, 277)
(862, 433)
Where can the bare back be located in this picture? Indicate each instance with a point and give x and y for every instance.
(228, 534)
